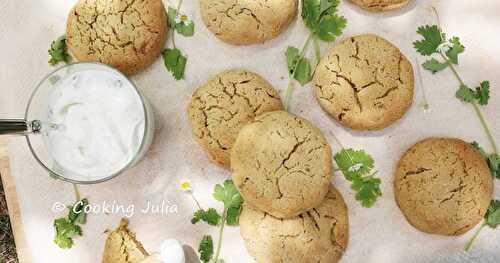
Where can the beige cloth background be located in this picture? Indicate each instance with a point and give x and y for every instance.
(379, 234)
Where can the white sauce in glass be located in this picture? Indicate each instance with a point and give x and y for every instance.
(99, 120)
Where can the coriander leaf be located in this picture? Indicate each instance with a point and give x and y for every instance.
(206, 249)
(483, 93)
(330, 27)
(492, 216)
(433, 65)
(58, 51)
(77, 213)
(210, 216)
(311, 12)
(233, 215)
(328, 7)
(367, 190)
(65, 231)
(185, 28)
(303, 72)
(292, 55)
(494, 164)
(353, 163)
(455, 49)
(172, 16)
(175, 62)
(465, 94)
(433, 37)
(228, 194)
(480, 149)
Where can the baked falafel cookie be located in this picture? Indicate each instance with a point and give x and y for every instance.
(364, 82)
(128, 35)
(281, 164)
(319, 235)
(443, 186)
(244, 22)
(122, 246)
(380, 5)
(220, 107)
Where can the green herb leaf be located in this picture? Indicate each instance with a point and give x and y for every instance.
(228, 194)
(433, 38)
(77, 213)
(180, 23)
(465, 94)
(330, 27)
(303, 72)
(175, 62)
(65, 231)
(292, 56)
(367, 190)
(433, 65)
(210, 216)
(311, 12)
(483, 93)
(492, 216)
(455, 49)
(206, 249)
(493, 160)
(233, 215)
(58, 52)
(355, 165)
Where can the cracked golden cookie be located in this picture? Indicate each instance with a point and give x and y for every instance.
(281, 164)
(380, 5)
(319, 235)
(220, 107)
(365, 83)
(443, 186)
(244, 22)
(122, 247)
(126, 34)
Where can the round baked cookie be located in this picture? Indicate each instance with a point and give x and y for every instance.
(220, 107)
(244, 22)
(364, 82)
(319, 235)
(443, 186)
(281, 164)
(128, 35)
(380, 5)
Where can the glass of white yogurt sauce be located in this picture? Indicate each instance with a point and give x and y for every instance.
(86, 123)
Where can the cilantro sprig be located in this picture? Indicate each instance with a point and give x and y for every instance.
(232, 200)
(493, 160)
(67, 228)
(357, 167)
(323, 22)
(491, 219)
(444, 53)
(174, 60)
(58, 51)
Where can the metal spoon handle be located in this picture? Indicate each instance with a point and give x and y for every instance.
(18, 126)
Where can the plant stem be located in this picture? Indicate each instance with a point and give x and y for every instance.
(419, 72)
(469, 244)
(77, 193)
(219, 241)
(483, 121)
(317, 51)
(195, 200)
(290, 88)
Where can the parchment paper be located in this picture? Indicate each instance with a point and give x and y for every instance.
(379, 234)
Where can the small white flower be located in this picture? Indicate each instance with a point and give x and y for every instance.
(186, 185)
(355, 167)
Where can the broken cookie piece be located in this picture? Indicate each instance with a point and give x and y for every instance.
(364, 82)
(443, 186)
(122, 247)
(244, 22)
